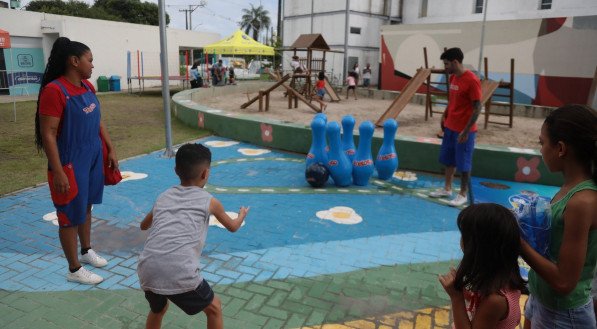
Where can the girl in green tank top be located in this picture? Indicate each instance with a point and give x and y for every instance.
(560, 285)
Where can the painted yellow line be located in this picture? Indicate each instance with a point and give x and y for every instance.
(427, 318)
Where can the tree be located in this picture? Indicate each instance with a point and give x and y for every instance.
(255, 19)
(130, 11)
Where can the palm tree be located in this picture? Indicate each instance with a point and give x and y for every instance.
(255, 19)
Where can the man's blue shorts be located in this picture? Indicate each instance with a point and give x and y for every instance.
(454, 154)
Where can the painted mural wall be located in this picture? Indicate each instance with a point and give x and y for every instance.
(555, 58)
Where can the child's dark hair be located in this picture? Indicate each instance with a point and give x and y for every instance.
(62, 49)
(452, 54)
(352, 74)
(576, 126)
(191, 159)
(491, 245)
(321, 75)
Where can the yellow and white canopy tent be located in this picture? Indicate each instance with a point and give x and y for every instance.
(239, 44)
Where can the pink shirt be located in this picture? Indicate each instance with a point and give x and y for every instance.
(473, 300)
(351, 82)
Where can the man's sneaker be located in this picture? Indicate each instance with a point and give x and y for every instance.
(84, 276)
(440, 193)
(458, 201)
(93, 259)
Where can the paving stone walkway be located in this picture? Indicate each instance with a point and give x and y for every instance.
(360, 257)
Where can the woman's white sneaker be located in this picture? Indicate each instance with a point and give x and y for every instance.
(92, 258)
(84, 276)
(458, 201)
(440, 193)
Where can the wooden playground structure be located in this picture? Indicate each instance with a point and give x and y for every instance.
(423, 75)
(301, 86)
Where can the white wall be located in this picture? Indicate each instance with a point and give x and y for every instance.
(442, 11)
(109, 41)
(329, 20)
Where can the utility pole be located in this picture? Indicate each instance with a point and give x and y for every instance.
(188, 13)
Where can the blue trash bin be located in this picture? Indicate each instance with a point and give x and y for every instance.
(114, 83)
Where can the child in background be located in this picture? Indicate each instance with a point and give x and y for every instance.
(169, 264)
(320, 90)
(485, 289)
(367, 75)
(352, 84)
(560, 285)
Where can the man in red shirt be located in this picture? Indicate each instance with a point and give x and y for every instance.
(459, 125)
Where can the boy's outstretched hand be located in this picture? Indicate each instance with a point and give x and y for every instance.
(217, 209)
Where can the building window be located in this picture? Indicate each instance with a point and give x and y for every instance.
(355, 30)
(545, 4)
(423, 8)
(479, 6)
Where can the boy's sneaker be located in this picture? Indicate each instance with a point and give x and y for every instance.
(84, 276)
(440, 193)
(458, 201)
(93, 259)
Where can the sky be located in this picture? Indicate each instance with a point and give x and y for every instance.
(219, 16)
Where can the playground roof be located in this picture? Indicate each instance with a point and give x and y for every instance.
(311, 41)
(239, 44)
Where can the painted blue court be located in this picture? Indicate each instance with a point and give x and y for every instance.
(292, 231)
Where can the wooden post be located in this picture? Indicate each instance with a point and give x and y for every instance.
(266, 102)
(428, 95)
(261, 100)
(289, 95)
(511, 103)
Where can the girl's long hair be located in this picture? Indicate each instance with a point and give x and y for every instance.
(576, 126)
(62, 49)
(491, 245)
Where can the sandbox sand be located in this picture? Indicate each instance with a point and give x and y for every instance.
(411, 120)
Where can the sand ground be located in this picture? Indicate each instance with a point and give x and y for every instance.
(411, 120)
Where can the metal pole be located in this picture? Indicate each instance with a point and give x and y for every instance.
(14, 101)
(345, 68)
(191, 10)
(482, 39)
(165, 77)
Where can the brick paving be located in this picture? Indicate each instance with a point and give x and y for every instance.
(286, 268)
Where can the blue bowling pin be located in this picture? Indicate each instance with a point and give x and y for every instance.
(321, 116)
(347, 138)
(317, 153)
(386, 161)
(338, 163)
(362, 165)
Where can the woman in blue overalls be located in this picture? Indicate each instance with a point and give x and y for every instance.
(68, 127)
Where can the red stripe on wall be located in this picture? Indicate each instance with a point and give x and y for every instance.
(558, 91)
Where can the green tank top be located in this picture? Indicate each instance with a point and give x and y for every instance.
(580, 295)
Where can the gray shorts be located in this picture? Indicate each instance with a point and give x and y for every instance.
(541, 317)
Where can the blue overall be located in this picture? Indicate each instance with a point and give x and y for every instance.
(79, 143)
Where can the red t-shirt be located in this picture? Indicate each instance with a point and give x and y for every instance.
(464, 90)
(320, 84)
(52, 100)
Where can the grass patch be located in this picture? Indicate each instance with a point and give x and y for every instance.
(135, 123)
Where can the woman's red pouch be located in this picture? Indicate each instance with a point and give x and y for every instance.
(62, 199)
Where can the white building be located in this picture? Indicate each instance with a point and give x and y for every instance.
(354, 26)
(32, 35)
(442, 11)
